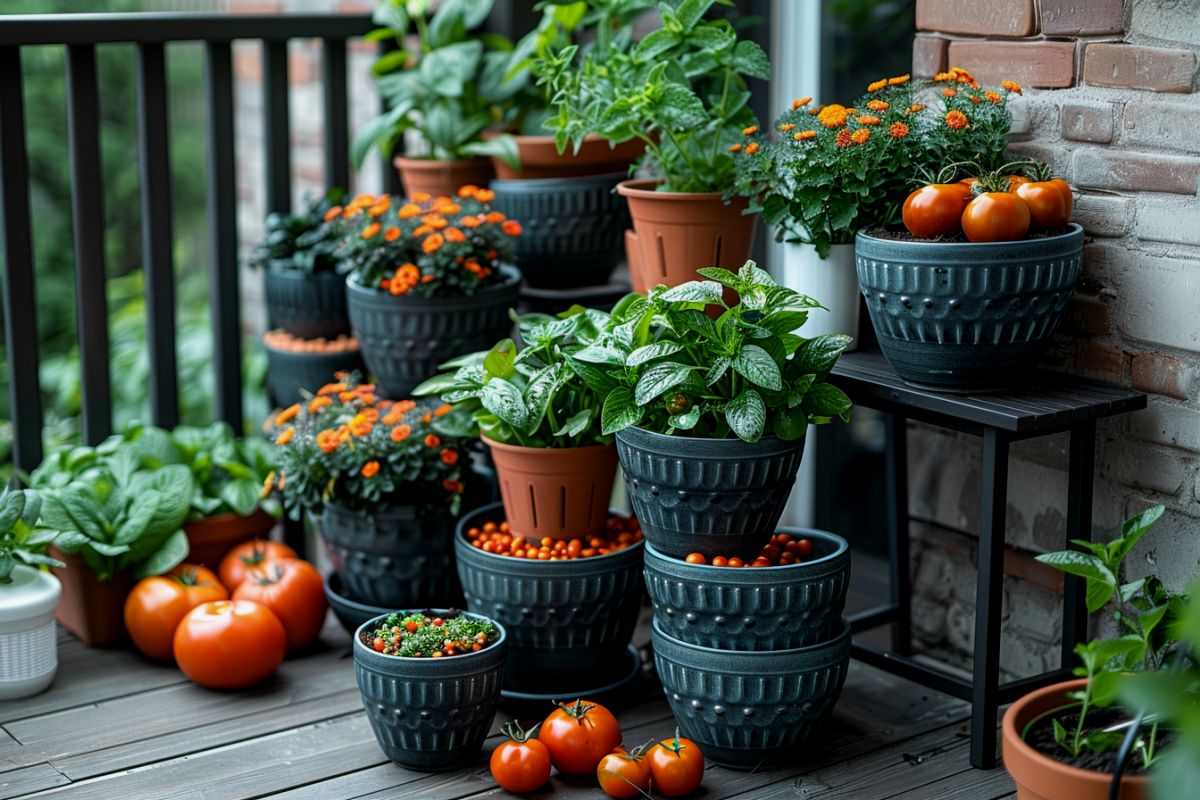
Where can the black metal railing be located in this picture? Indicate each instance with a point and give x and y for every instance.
(81, 34)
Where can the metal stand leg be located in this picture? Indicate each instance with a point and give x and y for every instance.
(293, 536)
(988, 598)
(1079, 526)
(896, 467)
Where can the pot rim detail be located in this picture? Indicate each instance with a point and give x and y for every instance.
(976, 251)
(529, 567)
(643, 188)
(465, 658)
(744, 576)
(518, 448)
(702, 447)
(765, 658)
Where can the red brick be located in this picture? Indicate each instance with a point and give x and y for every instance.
(1075, 17)
(1023, 566)
(1087, 122)
(1130, 66)
(929, 56)
(1110, 169)
(1102, 362)
(1159, 374)
(994, 18)
(1043, 64)
(1088, 314)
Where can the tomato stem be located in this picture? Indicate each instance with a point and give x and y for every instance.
(577, 710)
(514, 731)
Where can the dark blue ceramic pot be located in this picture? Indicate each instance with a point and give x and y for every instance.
(311, 305)
(351, 613)
(429, 713)
(750, 709)
(764, 608)
(288, 372)
(967, 317)
(569, 622)
(711, 496)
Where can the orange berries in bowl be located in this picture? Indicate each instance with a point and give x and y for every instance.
(496, 538)
(783, 550)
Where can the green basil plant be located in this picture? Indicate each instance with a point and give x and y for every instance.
(22, 538)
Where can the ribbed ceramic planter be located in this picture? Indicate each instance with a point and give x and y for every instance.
(209, 539)
(308, 305)
(429, 713)
(405, 337)
(351, 613)
(441, 178)
(712, 496)
(763, 608)
(569, 622)
(28, 644)
(750, 709)
(397, 557)
(1039, 776)
(289, 372)
(539, 158)
(560, 492)
(574, 228)
(967, 317)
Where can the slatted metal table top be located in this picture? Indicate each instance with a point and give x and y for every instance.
(1052, 401)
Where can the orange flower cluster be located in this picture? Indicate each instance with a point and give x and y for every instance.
(833, 115)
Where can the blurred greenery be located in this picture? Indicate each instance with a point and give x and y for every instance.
(50, 199)
(865, 40)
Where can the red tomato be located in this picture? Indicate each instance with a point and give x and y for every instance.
(578, 735)
(996, 217)
(1014, 182)
(676, 766)
(936, 210)
(294, 592)
(520, 763)
(1068, 196)
(229, 644)
(156, 605)
(1047, 207)
(238, 562)
(624, 774)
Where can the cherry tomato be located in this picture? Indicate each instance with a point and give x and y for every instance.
(294, 592)
(678, 404)
(156, 605)
(229, 644)
(804, 548)
(520, 763)
(624, 774)
(1047, 207)
(578, 735)
(996, 217)
(238, 562)
(936, 210)
(695, 558)
(676, 766)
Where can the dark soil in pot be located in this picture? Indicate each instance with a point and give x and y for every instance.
(1040, 736)
(308, 305)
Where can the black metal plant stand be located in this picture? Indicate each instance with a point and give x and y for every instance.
(1053, 403)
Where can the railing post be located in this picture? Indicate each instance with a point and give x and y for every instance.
(337, 137)
(278, 148)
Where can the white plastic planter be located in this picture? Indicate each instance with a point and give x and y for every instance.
(28, 644)
(831, 281)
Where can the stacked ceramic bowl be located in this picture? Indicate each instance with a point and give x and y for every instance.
(752, 659)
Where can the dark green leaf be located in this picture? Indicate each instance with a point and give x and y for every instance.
(755, 365)
(747, 416)
(619, 411)
(172, 553)
(656, 380)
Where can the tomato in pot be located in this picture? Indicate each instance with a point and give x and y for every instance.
(935, 210)
(996, 217)
(1068, 195)
(578, 735)
(1047, 207)
(624, 774)
(229, 644)
(676, 766)
(294, 592)
(156, 605)
(521, 763)
(247, 556)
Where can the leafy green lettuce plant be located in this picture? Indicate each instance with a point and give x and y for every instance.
(22, 539)
(682, 90)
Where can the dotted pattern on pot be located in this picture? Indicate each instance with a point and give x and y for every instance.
(29, 654)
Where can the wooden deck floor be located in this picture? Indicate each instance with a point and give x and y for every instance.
(118, 728)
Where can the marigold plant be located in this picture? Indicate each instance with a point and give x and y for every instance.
(826, 171)
(346, 446)
(433, 246)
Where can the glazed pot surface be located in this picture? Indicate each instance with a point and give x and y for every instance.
(307, 305)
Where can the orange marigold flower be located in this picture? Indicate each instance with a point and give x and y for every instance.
(333, 212)
(428, 278)
(359, 426)
(454, 235)
(327, 440)
(993, 96)
(860, 136)
(433, 242)
(752, 148)
(916, 108)
(833, 116)
(371, 230)
(449, 209)
(452, 486)
(878, 105)
(380, 206)
(332, 388)
(470, 222)
(397, 288)
(899, 80)
(750, 130)
(485, 196)
(392, 233)
(431, 440)
(943, 76)
(400, 433)
(876, 85)
(956, 120)
(285, 436)
(1011, 86)
(975, 99)
(288, 414)
(468, 190)
(843, 138)
(434, 221)
(800, 136)
(867, 119)
(408, 273)
(513, 228)
(370, 468)
(347, 396)
(409, 210)
(450, 457)
(318, 403)
(420, 197)
(495, 217)
(406, 405)
(949, 92)
(800, 101)
(898, 130)
(736, 147)
(443, 410)
(787, 127)
(422, 230)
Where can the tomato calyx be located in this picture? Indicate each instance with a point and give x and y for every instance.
(516, 733)
(189, 577)
(677, 747)
(577, 710)
(258, 554)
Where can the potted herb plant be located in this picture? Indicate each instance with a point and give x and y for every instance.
(541, 420)
(710, 415)
(437, 91)
(28, 597)
(430, 279)
(682, 91)
(385, 488)
(1064, 741)
(430, 684)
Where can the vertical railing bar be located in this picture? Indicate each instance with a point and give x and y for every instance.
(222, 226)
(16, 244)
(87, 215)
(337, 115)
(391, 176)
(276, 125)
(158, 264)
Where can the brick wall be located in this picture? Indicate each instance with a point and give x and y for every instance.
(1110, 102)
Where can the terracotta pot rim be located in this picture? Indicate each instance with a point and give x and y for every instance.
(641, 188)
(547, 451)
(227, 516)
(422, 162)
(1012, 738)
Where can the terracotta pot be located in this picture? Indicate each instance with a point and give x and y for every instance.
(540, 159)
(441, 177)
(633, 257)
(677, 233)
(92, 610)
(1040, 777)
(209, 539)
(562, 493)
